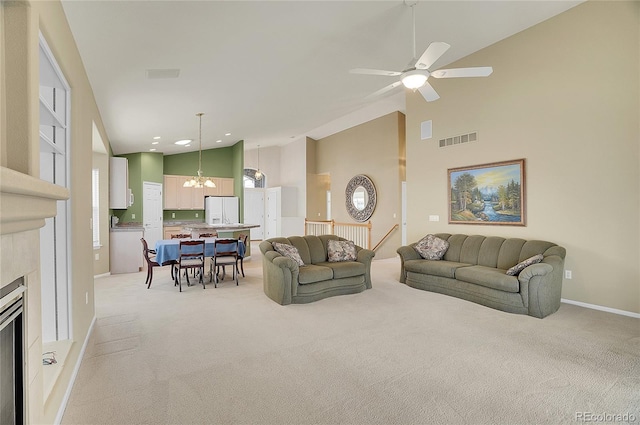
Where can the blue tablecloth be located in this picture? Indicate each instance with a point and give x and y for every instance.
(169, 249)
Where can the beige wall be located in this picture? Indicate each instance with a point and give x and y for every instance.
(372, 149)
(49, 18)
(564, 94)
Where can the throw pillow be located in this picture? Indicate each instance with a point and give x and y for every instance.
(341, 251)
(521, 266)
(432, 247)
(288, 251)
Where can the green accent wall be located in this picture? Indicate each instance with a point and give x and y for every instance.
(152, 166)
(221, 162)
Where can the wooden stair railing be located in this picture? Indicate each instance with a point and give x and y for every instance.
(395, 226)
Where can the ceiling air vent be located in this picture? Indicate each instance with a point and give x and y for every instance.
(456, 140)
(155, 74)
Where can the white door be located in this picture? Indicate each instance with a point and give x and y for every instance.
(152, 212)
(254, 211)
(273, 213)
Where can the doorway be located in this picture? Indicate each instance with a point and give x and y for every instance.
(152, 212)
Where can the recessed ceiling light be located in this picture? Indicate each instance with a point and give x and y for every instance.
(152, 150)
(184, 142)
(156, 137)
(227, 134)
(218, 141)
(154, 143)
(186, 146)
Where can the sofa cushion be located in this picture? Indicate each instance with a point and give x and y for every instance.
(338, 251)
(489, 277)
(513, 271)
(432, 247)
(288, 251)
(313, 273)
(345, 268)
(434, 267)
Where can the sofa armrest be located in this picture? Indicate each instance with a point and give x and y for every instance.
(406, 253)
(541, 286)
(280, 277)
(365, 256)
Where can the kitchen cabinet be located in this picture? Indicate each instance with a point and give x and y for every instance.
(177, 197)
(120, 197)
(125, 250)
(172, 230)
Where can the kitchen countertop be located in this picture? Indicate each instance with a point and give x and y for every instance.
(127, 227)
(228, 226)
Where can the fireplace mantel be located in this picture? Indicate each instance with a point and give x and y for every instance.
(26, 201)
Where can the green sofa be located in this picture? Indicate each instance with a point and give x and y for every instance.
(474, 268)
(285, 282)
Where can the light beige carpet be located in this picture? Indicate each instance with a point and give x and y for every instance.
(389, 355)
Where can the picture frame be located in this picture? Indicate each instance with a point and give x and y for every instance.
(491, 193)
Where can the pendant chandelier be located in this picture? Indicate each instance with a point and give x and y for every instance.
(199, 181)
(258, 174)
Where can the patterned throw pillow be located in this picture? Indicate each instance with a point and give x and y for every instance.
(521, 266)
(341, 251)
(288, 251)
(432, 247)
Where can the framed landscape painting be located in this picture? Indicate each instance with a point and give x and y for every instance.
(488, 194)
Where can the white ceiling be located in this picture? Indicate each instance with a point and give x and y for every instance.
(267, 71)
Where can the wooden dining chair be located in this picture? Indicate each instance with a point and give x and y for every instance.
(225, 254)
(181, 236)
(150, 258)
(191, 256)
(242, 238)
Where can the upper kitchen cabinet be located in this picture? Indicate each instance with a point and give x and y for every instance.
(177, 197)
(120, 196)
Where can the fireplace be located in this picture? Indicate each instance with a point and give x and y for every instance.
(12, 351)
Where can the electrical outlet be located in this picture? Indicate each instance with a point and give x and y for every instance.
(567, 274)
(86, 298)
(173, 215)
(133, 216)
(196, 215)
(97, 256)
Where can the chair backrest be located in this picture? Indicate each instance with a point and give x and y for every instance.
(226, 247)
(145, 250)
(208, 235)
(190, 249)
(181, 236)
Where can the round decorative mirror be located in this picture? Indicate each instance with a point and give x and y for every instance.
(360, 198)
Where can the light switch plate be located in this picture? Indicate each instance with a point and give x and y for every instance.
(434, 218)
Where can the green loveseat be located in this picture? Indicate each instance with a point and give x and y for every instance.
(285, 282)
(474, 268)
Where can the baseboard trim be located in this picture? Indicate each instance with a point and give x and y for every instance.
(67, 393)
(602, 308)
(97, 276)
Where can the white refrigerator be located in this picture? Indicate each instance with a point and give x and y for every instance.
(221, 209)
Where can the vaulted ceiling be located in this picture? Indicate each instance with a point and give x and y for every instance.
(266, 72)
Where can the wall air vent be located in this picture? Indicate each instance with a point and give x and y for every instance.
(457, 140)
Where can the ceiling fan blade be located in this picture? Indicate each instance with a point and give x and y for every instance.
(481, 71)
(384, 90)
(432, 54)
(367, 71)
(428, 92)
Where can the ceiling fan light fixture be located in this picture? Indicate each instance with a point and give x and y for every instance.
(414, 79)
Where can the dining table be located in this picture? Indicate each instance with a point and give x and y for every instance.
(169, 249)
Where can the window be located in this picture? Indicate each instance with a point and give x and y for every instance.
(95, 204)
(249, 179)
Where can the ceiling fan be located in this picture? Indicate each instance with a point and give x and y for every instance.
(415, 75)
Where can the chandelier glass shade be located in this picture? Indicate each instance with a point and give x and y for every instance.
(199, 180)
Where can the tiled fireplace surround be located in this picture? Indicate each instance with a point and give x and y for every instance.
(25, 202)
